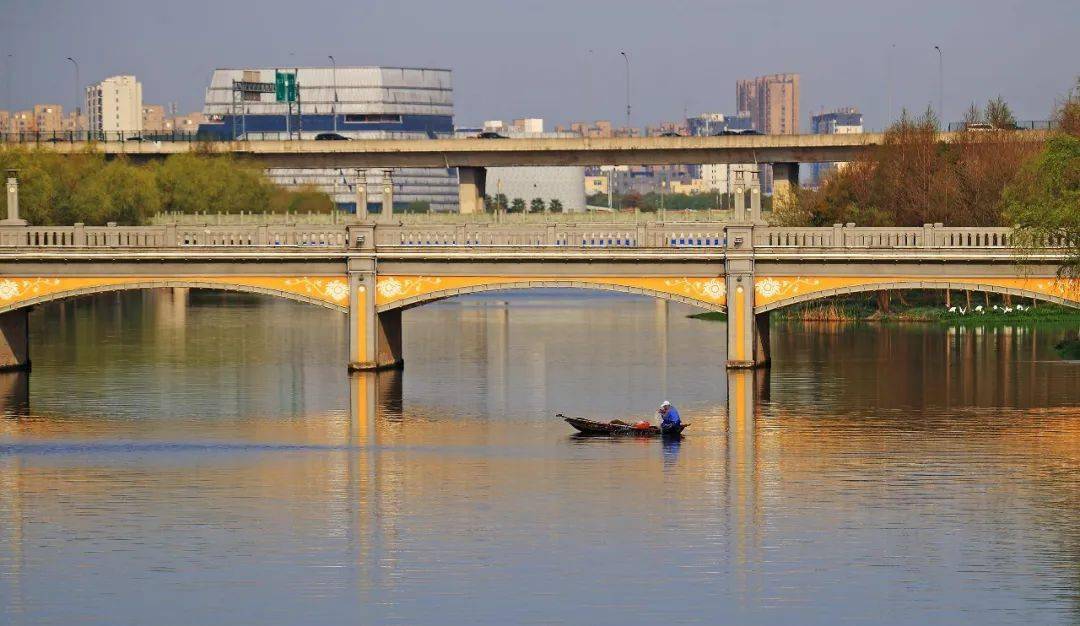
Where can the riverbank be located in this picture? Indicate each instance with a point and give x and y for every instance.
(862, 312)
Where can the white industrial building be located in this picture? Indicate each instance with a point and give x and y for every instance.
(352, 102)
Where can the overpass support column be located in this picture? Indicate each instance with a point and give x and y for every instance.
(785, 183)
(374, 338)
(472, 183)
(747, 336)
(15, 340)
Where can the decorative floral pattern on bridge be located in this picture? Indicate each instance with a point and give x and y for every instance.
(336, 290)
(777, 289)
(396, 288)
(25, 288)
(14, 291)
(710, 291)
(772, 289)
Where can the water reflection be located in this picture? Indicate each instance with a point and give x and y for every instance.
(174, 474)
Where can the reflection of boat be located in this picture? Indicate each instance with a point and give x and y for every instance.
(617, 427)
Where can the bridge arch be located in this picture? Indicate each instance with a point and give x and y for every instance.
(822, 294)
(16, 303)
(443, 294)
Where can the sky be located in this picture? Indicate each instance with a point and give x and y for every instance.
(559, 59)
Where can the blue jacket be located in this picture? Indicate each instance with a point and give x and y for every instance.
(671, 418)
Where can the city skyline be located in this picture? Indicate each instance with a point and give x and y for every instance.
(878, 58)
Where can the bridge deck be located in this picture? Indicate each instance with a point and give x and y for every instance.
(579, 151)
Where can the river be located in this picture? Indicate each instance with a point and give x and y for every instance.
(204, 458)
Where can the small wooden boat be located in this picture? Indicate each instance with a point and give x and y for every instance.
(619, 428)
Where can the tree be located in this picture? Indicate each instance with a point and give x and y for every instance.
(999, 115)
(500, 203)
(914, 178)
(973, 115)
(555, 206)
(1067, 115)
(517, 206)
(1043, 201)
(537, 205)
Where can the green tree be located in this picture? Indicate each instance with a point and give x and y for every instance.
(191, 183)
(517, 206)
(555, 206)
(536, 205)
(1044, 200)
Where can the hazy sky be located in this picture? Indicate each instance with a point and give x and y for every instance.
(559, 59)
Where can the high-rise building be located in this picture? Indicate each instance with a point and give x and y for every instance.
(154, 120)
(48, 118)
(22, 122)
(772, 102)
(353, 102)
(115, 105)
(841, 121)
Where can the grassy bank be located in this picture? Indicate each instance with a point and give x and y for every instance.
(925, 306)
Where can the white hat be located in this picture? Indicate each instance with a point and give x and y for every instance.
(664, 404)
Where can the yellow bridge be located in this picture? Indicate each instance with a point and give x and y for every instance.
(372, 272)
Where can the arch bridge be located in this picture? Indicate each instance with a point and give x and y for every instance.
(371, 272)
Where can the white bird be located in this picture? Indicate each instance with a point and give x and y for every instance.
(979, 308)
(952, 309)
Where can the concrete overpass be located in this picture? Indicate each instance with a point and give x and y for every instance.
(371, 272)
(472, 156)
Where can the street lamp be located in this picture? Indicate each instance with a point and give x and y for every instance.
(9, 98)
(627, 59)
(78, 90)
(334, 73)
(941, 83)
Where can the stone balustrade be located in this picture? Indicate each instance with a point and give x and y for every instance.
(488, 235)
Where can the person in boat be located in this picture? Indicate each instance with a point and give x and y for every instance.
(668, 416)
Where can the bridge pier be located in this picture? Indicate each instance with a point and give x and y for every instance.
(747, 333)
(472, 182)
(15, 340)
(374, 337)
(785, 183)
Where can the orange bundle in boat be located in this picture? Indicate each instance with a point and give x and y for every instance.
(642, 425)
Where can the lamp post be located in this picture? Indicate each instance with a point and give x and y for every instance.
(941, 83)
(9, 100)
(333, 63)
(78, 91)
(892, 51)
(627, 59)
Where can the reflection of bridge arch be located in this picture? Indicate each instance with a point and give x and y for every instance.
(828, 292)
(434, 296)
(88, 287)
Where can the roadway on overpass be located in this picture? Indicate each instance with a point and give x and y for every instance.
(471, 152)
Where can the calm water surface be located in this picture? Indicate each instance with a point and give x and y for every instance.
(206, 459)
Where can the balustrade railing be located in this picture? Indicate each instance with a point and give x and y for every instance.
(553, 235)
